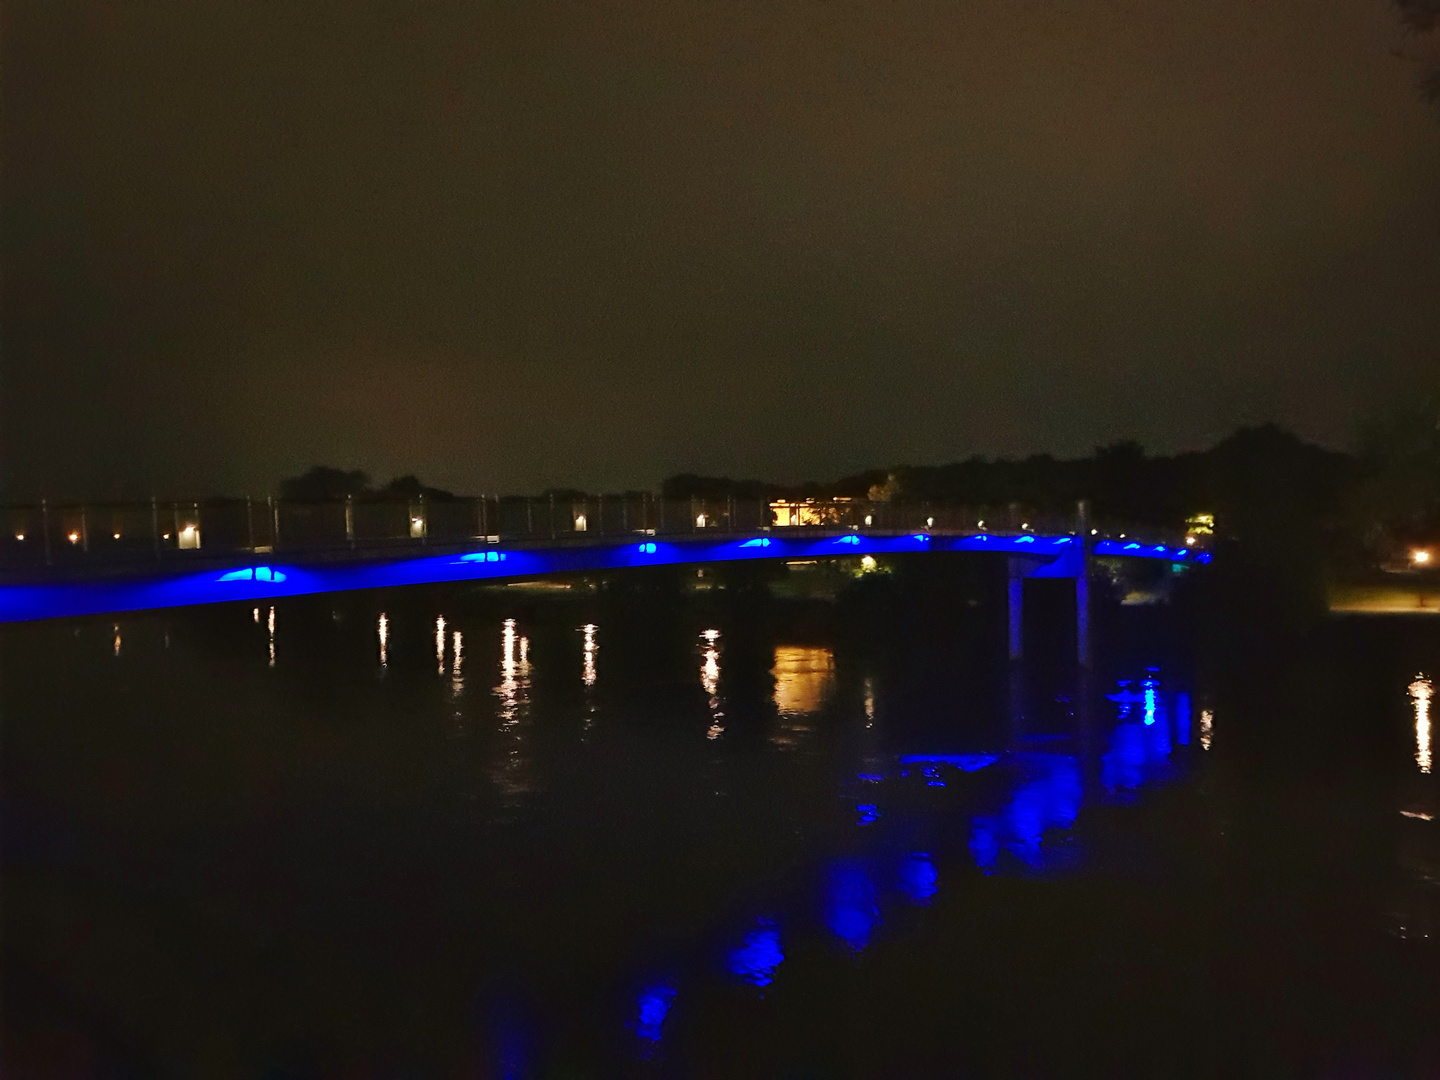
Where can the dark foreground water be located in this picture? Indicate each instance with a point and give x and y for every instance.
(670, 832)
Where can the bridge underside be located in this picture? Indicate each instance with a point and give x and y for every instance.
(1049, 556)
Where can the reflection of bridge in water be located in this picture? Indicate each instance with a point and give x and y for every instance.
(256, 574)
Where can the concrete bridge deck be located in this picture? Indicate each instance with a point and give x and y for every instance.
(260, 577)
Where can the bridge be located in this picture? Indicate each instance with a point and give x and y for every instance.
(261, 574)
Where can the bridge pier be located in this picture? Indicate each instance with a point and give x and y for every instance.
(1074, 564)
(1082, 586)
(1015, 594)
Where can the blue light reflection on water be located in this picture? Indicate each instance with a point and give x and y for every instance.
(653, 1007)
(1047, 797)
(759, 955)
(851, 909)
(919, 880)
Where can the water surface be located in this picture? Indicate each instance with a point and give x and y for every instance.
(512, 833)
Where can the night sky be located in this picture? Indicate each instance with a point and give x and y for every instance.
(512, 245)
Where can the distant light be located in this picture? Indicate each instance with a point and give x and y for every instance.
(117, 536)
(848, 540)
(647, 549)
(699, 521)
(921, 536)
(1024, 525)
(1189, 541)
(930, 523)
(165, 536)
(580, 523)
(867, 562)
(868, 814)
(869, 519)
(981, 525)
(1122, 536)
(759, 541)
(184, 532)
(1420, 556)
(1094, 532)
(74, 537)
(19, 536)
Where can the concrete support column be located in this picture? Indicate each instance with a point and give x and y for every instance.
(1083, 648)
(1015, 591)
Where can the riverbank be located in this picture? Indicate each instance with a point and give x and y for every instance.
(1410, 598)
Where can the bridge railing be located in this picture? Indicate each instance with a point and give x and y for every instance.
(117, 534)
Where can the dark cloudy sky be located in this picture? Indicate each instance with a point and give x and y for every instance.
(506, 245)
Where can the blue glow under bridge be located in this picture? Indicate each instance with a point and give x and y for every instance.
(252, 580)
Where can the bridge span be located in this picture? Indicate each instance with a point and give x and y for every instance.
(261, 577)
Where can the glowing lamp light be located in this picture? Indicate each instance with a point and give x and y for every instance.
(74, 538)
(1420, 557)
(19, 536)
(1189, 541)
(117, 536)
(699, 521)
(869, 519)
(867, 562)
(929, 523)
